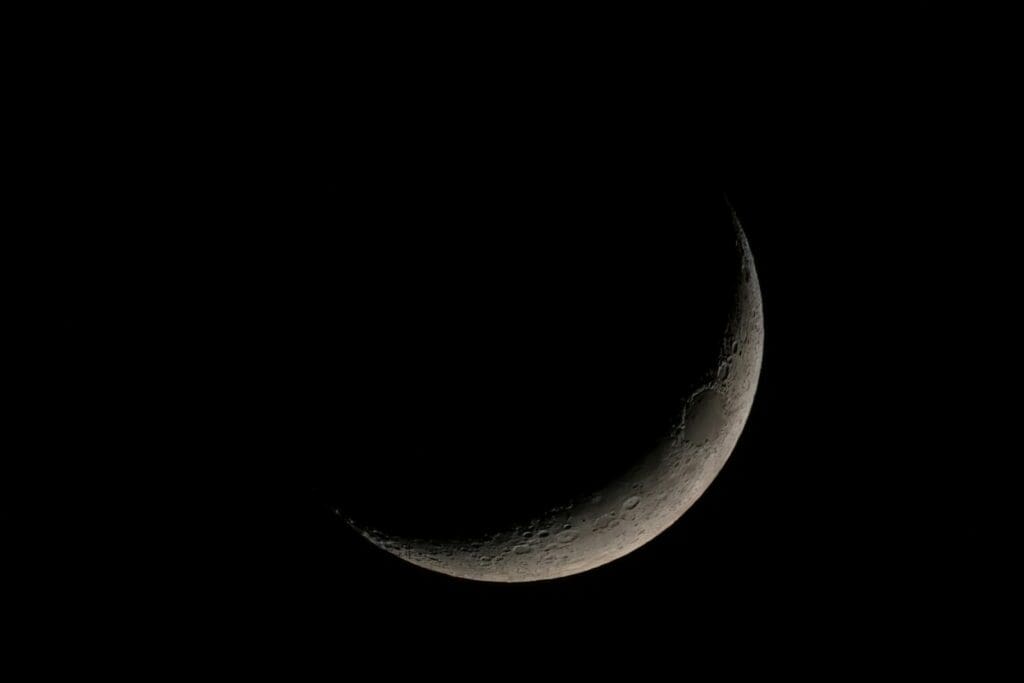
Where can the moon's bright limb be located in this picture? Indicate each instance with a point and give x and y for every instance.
(621, 517)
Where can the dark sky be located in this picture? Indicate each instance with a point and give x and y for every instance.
(860, 491)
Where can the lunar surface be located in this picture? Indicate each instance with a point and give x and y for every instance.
(615, 517)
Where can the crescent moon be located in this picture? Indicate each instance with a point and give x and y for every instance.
(653, 495)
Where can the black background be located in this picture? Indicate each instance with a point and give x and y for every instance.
(853, 146)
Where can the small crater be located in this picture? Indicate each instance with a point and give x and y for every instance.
(567, 536)
(522, 549)
(631, 502)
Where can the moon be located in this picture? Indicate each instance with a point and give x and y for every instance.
(616, 517)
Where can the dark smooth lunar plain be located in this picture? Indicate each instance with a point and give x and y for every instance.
(470, 521)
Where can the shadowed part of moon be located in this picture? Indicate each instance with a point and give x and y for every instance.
(585, 532)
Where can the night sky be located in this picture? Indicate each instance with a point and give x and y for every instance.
(202, 354)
